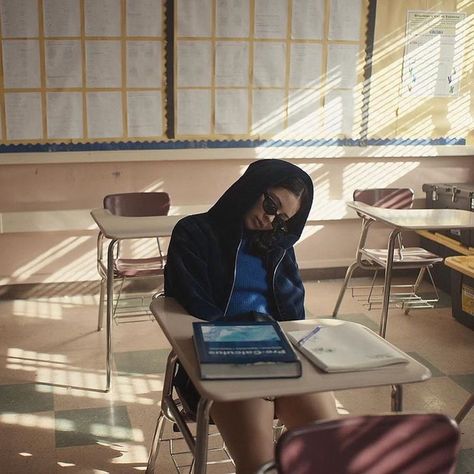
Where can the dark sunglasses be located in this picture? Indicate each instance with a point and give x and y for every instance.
(270, 207)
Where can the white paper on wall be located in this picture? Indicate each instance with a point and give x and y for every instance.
(271, 18)
(269, 64)
(24, 118)
(344, 20)
(63, 63)
(342, 66)
(193, 18)
(268, 112)
(232, 18)
(103, 63)
(64, 115)
(144, 114)
(193, 112)
(194, 64)
(104, 115)
(102, 18)
(21, 64)
(232, 111)
(144, 64)
(339, 113)
(305, 65)
(232, 63)
(144, 18)
(62, 18)
(307, 21)
(19, 18)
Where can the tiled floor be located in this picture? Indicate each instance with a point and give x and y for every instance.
(55, 417)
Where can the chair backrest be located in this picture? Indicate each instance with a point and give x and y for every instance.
(138, 204)
(391, 198)
(375, 444)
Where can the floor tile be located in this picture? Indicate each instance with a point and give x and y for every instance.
(466, 381)
(25, 398)
(91, 425)
(435, 372)
(141, 362)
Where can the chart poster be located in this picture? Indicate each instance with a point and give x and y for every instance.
(433, 53)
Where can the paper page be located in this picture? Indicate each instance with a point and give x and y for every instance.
(269, 64)
(271, 18)
(104, 115)
(64, 115)
(232, 19)
(268, 113)
(19, 18)
(344, 20)
(102, 18)
(144, 18)
(144, 64)
(305, 65)
(103, 63)
(307, 21)
(145, 114)
(194, 112)
(347, 346)
(63, 63)
(304, 114)
(194, 63)
(232, 111)
(232, 63)
(342, 66)
(24, 118)
(193, 18)
(21, 65)
(339, 113)
(62, 18)
(433, 53)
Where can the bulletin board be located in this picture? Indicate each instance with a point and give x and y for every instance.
(81, 71)
(159, 74)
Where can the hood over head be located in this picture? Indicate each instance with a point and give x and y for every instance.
(261, 175)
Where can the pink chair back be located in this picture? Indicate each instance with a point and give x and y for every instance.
(379, 444)
(391, 198)
(138, 204)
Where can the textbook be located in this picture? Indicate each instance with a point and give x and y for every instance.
(244, 350)
(344, 346)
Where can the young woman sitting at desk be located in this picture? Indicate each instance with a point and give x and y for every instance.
(239, 257)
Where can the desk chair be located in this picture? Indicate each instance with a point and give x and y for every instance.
(404, 257)
(173, 411)
(375, 444)
(140, 204)
(130, 205)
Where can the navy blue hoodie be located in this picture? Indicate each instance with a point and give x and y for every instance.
(200, 268)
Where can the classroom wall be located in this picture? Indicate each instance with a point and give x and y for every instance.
(67, 256)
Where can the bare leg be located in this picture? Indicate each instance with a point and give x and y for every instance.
(298, 410)
(246, 427)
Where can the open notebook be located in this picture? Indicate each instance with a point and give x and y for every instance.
(344, 346)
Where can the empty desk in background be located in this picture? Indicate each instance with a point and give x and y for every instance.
(118, 228)
(411, 220)
(176, 324)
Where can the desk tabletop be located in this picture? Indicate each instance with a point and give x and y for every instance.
(120, 227)
(417, 219)
(177, 326)
(462, 263)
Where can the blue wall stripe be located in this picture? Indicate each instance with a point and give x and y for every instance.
(191, 144)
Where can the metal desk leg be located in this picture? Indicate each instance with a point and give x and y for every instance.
(397, 398)
(110, 308)
(202, 434)
(349, 272)
(388, 281)
(465, 409)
